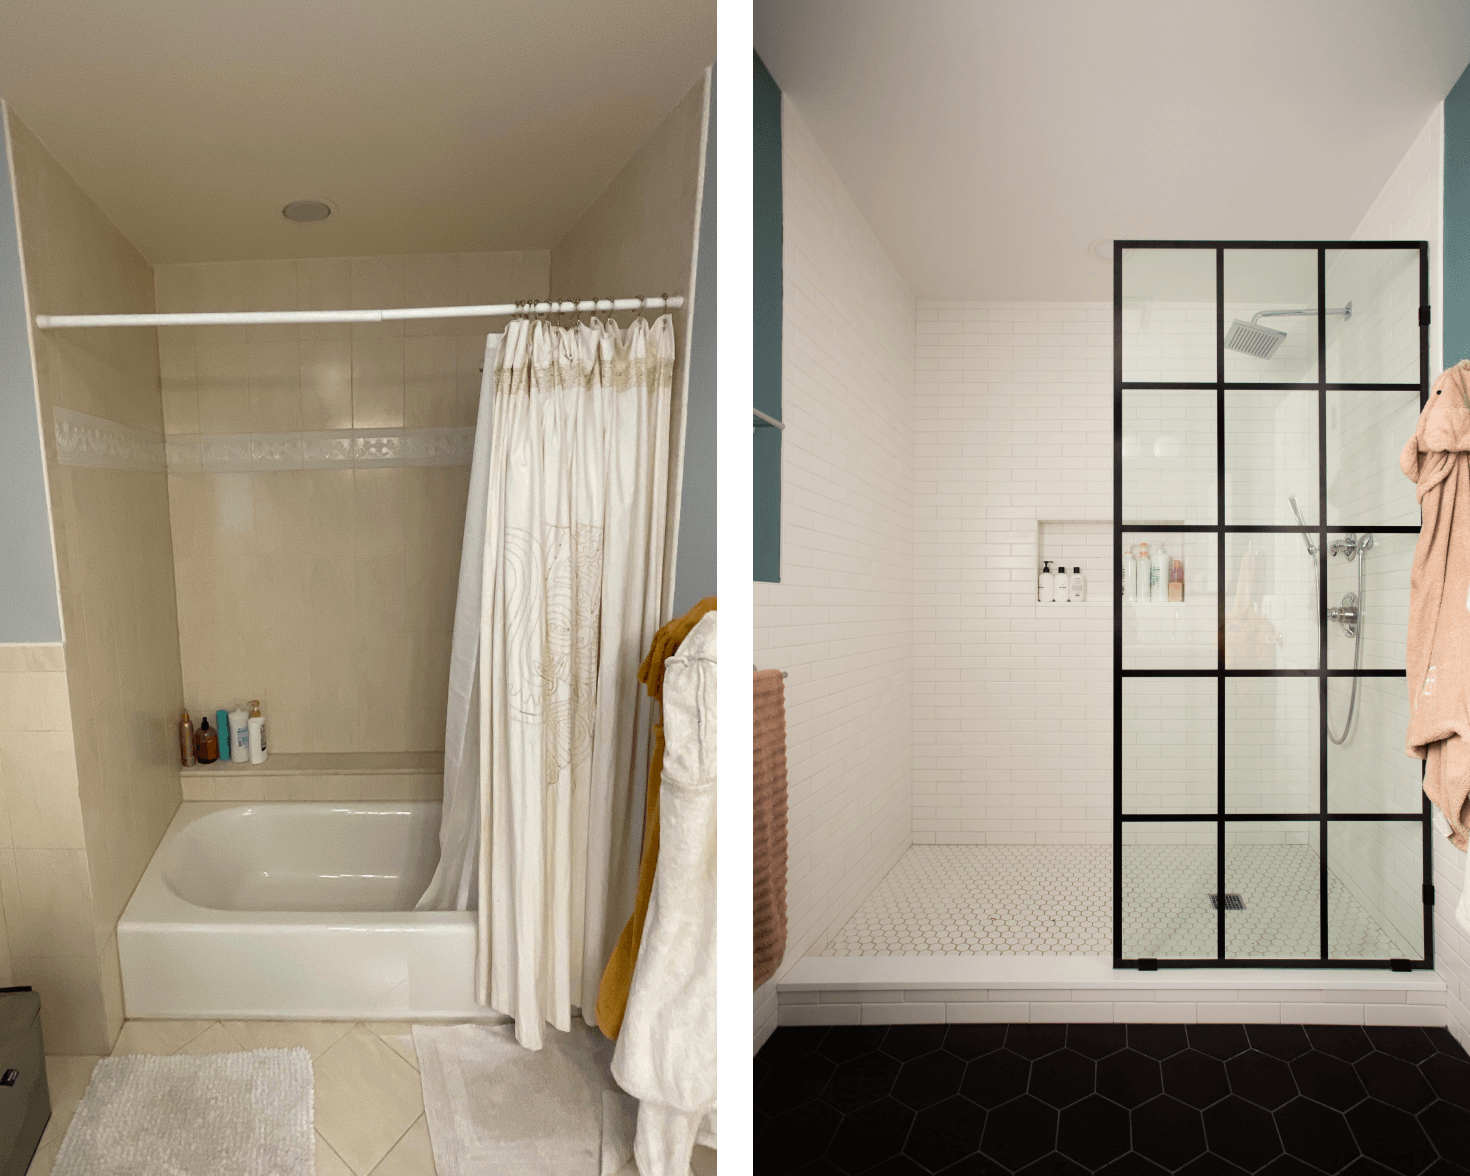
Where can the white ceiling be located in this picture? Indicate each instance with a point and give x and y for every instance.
(988, 142)
(432, 125)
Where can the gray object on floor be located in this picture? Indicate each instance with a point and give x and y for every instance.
(495, 1107)
(225, 1114)
(25, 1099)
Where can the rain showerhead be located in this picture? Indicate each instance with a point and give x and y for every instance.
(1250, 338)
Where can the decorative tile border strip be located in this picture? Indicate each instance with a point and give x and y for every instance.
(83, 440)
(326, 450)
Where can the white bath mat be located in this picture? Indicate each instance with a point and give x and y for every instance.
(494, 1107)
(225, 1114)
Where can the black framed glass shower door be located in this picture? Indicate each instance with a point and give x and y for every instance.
(1264, 811)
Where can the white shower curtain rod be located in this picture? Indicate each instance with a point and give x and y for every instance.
(232, 317)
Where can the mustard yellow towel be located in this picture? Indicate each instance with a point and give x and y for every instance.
(617, 977)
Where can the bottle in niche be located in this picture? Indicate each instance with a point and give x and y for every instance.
(1078, 585)
(1145, 571)
(1046, 590)
(1176, 581)
(1158, 576)
(1130, 575)
(206, 743)
(187, 754)
(256, 725)
(1064, 593)
(239, 736)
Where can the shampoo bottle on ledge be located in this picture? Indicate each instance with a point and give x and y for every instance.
(239, 736)
(256, 725)
(207, 743)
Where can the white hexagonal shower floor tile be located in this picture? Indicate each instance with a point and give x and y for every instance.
(1057, 900)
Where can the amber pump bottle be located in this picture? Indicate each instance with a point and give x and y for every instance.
(208, 743)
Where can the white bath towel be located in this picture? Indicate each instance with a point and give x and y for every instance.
(666, 1049)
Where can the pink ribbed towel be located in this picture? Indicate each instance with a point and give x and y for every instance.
(768, 817)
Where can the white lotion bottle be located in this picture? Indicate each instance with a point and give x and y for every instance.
(1144, 573)
(239, 736)
(1078, 585)
(1047, 584)
(256, 726)
(1130, 575)
(1158, 580)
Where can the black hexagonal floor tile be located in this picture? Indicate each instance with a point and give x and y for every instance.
(945, 1133)
(1093, 1132)
(929, 1078)
(795, 1082)
(792, 1041)
(1020, 1132)
(1132, 1164)
(1097, 1041)
(1280, 1041)
(860, 1081)
(1168, 1132)
(1347, 1042)
(1390, 1136)
(1194, 1078)
(875, 1133)
(795, 1138)
(971, 1041)
(1329, 1080)
(1061, 1078)
(1242, 1133)
(1447, 1126)
(1260, 1078)
(976, 1165)
(1449, 1076)
(1286, 1165)
(819, 1167)
(996, 1078)
(1316, 1134)
(1443, 1167)
(852, 1041)
(1394, 1081)
(1402, 1041)
(899, 1165)
(1034, 1041)
(1444, 1041)
(1363, 1166)
(1129, 1078)
(1219, 1041)
(1055, 1164)
(1210, 1164)
(1157, 1041)
(910, 1041)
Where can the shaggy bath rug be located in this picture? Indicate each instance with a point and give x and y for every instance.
(225, 1114)
(494, 1107)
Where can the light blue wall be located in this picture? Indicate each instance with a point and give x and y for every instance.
(694, 574)
(28, 606)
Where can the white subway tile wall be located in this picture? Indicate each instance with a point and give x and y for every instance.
(840, 622)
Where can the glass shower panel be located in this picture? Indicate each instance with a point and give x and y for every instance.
(1271, 745)
(1379, 342)
(1368, 772)
(1270, 316)
(1270, 603)
(1366, 432)
(1169, 759)
(1270, 456)
(1168, 876)
(1272, 868)
(1169, 315)
(1378, 580)
(1180, 634)
(1168, 456)
(1375, 907)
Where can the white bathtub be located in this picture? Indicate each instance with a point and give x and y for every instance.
(296, 910)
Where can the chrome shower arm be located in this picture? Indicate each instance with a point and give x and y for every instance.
(1345, 311)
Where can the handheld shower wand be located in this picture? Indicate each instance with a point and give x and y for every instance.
(1301, 522)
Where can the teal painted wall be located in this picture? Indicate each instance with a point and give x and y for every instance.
(28, 608)
(766, 246)
(1456, 258)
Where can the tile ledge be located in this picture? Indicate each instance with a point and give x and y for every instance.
(351, 763)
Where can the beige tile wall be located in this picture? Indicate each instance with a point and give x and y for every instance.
(327, 594)
(88, 798)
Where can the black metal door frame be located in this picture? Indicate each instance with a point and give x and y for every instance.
(1220, 818)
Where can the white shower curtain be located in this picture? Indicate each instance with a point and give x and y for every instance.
(576, 488)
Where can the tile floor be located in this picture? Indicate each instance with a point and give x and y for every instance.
(1056, 900)
(369, 1105)
(981, 1100)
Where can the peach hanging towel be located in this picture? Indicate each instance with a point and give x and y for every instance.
(1437, 458)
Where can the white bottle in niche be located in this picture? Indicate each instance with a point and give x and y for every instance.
(1130, 575)
(1047, 584)
(1078, 585)
(256, 725)
(1158, 577)
(239, 736)
(1145, 570)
